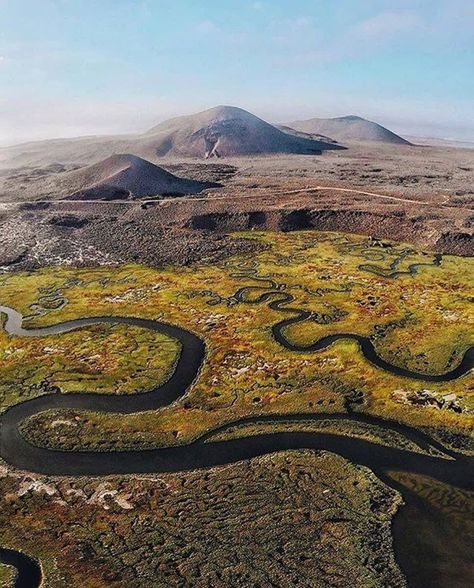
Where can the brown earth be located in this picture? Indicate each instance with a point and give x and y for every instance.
(419, 195)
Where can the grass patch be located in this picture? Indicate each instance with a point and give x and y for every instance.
(421, 321)
(255, 523)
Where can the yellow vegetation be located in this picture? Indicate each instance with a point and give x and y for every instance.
(421, 321)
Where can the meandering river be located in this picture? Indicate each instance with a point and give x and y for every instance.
(454, 469)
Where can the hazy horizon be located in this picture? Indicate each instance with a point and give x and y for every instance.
(72, 69)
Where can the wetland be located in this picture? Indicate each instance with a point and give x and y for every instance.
(319, 342)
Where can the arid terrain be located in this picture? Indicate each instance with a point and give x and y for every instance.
(348, 128)
(423, 195)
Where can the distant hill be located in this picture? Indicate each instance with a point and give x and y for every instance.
(81, 150)
(223, 131)
(347, 129)
(226, 131)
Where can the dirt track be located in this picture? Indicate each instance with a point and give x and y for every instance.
(414, 194)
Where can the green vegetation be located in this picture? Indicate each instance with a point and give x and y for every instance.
(309, 516)
(421, 321)
(7, 575)
(101, 358)
(181, 529)
(350, 428)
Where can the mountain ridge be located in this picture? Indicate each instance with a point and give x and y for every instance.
(222, 131)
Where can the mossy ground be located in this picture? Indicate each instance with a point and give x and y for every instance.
(421, 321)
(104, 358)
(305, 516)
(292, 518)
(7, 576)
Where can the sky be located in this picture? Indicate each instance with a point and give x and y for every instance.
(81, 67)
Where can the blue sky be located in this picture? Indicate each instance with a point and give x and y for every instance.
(70, 67)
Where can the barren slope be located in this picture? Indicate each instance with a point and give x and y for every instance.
(348, 128)
(126, 176)
(120, 177)
(225, 131)
(222, 131)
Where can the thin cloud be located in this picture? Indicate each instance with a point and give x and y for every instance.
(362, 38)
(388, 24)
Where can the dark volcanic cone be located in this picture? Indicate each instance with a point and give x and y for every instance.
(125, 176)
